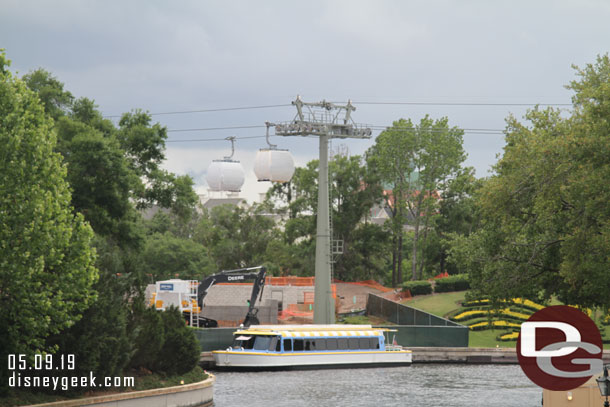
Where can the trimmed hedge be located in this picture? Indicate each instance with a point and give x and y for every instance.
(509, 336)
(458, 282)
(419, 287)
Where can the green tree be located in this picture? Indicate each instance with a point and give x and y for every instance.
(101, 341)
(180, 351)
(166, 256)
(235, 237)
(57, 102)
(143, 143)
(354, 190)
(101, 182)
(113, 172)
(415, 161)
(544, 214)
(458, 214)
(46, 261)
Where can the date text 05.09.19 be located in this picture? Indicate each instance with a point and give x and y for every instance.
(41, 361)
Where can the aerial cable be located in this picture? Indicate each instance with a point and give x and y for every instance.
(222, 109)
(227, 109)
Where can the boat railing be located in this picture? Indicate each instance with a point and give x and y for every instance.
(393, 348)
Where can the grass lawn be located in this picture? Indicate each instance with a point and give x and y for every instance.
(487, 339)
(442, 304)
(437, 304)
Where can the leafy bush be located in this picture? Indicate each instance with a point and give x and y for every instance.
(512, 336)
(180, 351)
(458, 282)
(149, 339)
(493, 324)
(420, 287)
(470, 314)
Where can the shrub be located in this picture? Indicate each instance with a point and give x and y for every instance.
(528, 304)
(509, 337)
(466, 315)
(458, 282)
(420, 287)
(149, 339)
(180, 351)
(493, 324)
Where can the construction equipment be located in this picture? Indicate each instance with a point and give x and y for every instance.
(188, 295)
(257, 274)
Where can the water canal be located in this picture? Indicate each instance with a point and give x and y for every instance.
(417, 385)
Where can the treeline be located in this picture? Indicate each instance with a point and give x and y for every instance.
(544, 226)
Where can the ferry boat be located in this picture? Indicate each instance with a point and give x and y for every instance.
(278, 347)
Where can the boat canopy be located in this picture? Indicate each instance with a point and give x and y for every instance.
(312, 331)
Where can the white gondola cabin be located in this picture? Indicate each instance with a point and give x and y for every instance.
(273, 165)
(225, 175)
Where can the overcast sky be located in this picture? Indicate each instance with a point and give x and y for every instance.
(165, 56)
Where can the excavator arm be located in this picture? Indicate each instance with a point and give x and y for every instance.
(257, 274)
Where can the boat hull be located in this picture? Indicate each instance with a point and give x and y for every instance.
(240, 360)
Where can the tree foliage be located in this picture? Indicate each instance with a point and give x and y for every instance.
(51, 92)
(235, 237)
(354, 190)
(544, 214)
(114, 172)
(46, 260)
(415, 162)
(166, 256)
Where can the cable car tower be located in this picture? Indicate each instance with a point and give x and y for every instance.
(326, 121)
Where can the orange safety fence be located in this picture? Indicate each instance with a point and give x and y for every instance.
(288, 314)
(368, 283)
(290, 281)
(442, 275)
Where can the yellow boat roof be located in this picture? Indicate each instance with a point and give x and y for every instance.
(297, 331)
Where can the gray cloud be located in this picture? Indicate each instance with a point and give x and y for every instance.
(164, 56)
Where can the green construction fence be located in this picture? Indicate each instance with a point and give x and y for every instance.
(413, 328)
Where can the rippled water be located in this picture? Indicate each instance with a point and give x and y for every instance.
(416, 385)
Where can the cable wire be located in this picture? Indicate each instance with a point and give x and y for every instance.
(211, 139)
(460, 104)
(225, 109)
(374, 127)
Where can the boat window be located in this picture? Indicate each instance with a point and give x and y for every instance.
(309, 344)
(331, 344)
(343, 343)
(244, 343)
(374, 343)
(364, 343)
(278, 344)
(298, 344)
(262, 342)
(320, 344)
(287, 345)
(273, 344)
(353, 343)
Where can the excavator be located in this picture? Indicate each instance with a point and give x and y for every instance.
(180, 293)
(235, 276)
